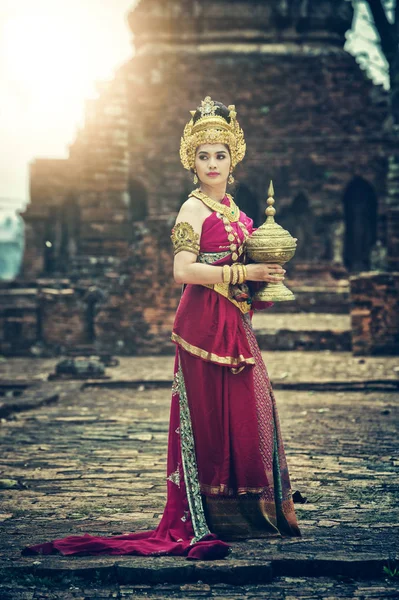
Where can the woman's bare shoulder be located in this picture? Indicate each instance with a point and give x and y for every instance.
(193, 203)
(193, 208)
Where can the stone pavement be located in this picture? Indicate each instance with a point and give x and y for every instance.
(93, 460)
(291, 367)
(282, 588)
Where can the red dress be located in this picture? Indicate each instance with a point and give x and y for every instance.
(227, 475)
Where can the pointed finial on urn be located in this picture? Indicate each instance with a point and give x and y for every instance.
(270, 243)
(270, 210)
(270, 191)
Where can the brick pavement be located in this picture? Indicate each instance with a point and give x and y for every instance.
(94, 461)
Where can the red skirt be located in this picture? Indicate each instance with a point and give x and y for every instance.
(227, 475)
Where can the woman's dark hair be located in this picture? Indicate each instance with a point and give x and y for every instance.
(221, 110)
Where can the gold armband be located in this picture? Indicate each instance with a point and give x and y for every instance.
(184, 238)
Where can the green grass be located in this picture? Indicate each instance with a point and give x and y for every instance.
(392, 570)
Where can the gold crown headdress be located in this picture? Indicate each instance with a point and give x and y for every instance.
(212, 129)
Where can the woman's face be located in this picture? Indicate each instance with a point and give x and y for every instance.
(212, 163)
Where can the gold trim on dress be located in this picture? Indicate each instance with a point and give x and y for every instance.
(237, 370)
(175, 477)
(224, 290)
(222, 488)
(229, 361)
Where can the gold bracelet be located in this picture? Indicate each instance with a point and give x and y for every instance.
(244, 268)
(234, 270)
(240, 273)
(226, 275)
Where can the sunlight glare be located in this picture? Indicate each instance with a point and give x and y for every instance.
(45, 58)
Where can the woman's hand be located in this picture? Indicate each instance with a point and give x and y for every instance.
(270, 272)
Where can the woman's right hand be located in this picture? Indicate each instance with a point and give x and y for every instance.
(270, 272)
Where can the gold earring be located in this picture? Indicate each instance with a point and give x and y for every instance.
(230, 179)
(195, 179)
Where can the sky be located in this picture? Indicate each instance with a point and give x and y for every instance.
(52, 53)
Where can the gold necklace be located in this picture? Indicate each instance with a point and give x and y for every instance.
(228, 214)
(232, 212)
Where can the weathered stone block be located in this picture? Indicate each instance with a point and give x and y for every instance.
(375, 313)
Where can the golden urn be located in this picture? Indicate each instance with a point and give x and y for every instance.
(270, 243)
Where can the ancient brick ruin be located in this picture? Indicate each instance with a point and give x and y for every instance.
(98, 264)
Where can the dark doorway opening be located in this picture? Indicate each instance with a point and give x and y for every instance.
(248, 203)
(138, 201)
(12, 327)
(299, 220)
(360, 216)
(70, 228)
(50, 235)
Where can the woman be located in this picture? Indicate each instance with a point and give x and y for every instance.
(227, 475)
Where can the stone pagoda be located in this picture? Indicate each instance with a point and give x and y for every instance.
(313, 123)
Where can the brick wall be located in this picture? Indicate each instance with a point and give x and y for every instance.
(63, 319)
(374, 309)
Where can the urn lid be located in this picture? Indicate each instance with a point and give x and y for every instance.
(271, 234)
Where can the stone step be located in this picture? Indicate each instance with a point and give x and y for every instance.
(316, 299)
(309, 331)
(154, 570)
(304, 340)
(285, 587)
(302, 331)
(274, 332)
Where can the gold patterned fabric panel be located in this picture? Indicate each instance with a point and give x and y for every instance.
(241, 518)
(271, 445)
(189, 460)
(264, 408)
